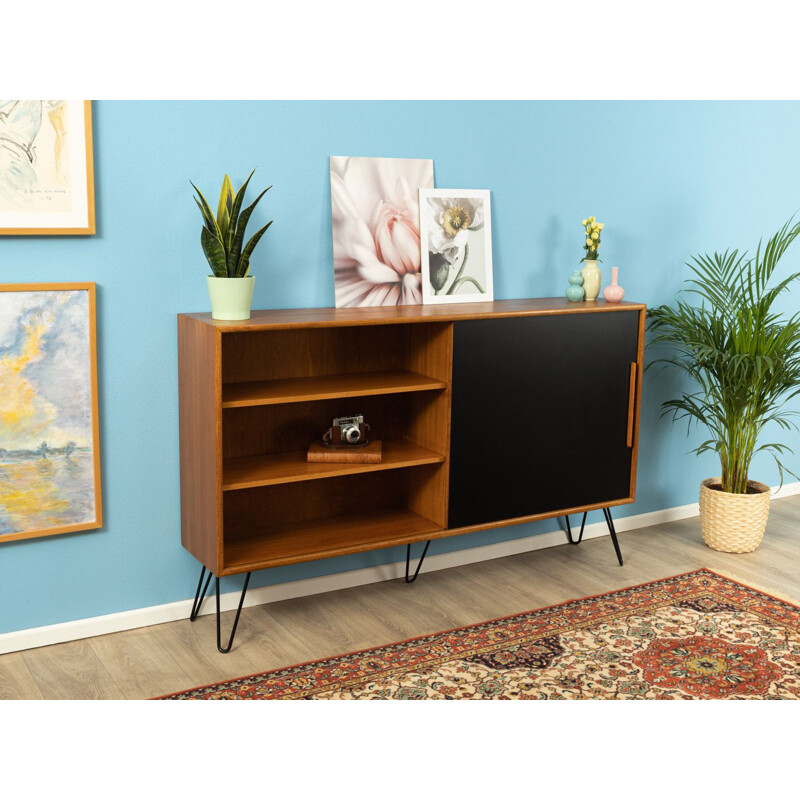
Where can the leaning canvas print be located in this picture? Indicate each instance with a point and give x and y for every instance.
(49, 449)
(46, 173)
(456, 230)
(375, 222)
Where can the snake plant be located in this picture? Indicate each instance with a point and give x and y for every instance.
(222, 237)
(741, 354)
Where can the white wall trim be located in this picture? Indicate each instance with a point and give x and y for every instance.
(169, 612)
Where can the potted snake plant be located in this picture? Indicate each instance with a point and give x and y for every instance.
(743, 360)
(230, 286)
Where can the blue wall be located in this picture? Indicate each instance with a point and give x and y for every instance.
(668, 179)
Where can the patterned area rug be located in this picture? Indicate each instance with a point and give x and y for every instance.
(697, 635)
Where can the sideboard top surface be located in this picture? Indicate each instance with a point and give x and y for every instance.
(388, 315)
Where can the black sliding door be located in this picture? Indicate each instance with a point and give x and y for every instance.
(540, 414)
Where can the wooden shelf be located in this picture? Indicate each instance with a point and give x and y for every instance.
(268, 470)
(296, 318)
(322, 387)
(276, 545)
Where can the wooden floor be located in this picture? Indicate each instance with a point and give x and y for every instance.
(148, 662)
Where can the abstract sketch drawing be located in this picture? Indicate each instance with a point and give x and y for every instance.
(46, 167)
(49, 458)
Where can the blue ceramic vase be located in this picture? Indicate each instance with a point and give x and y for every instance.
(575, 290)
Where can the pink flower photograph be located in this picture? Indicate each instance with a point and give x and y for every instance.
(375, 223)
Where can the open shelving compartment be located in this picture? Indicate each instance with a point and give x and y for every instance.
(280, 390)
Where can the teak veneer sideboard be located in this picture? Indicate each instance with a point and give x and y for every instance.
(490, 414)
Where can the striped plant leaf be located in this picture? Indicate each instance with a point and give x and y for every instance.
(235, 252)
(222, 236)
(224, 206)
(208, 217)
(234, 220)
(251, 245)
(215, 253)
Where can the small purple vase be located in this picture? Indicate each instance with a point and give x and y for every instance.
(613, 293)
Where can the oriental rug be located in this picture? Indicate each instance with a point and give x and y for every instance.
(697, 635)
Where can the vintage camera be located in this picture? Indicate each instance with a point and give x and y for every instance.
(347, 431)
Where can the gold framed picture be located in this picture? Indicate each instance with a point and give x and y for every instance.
(46, 167)
(49, 431)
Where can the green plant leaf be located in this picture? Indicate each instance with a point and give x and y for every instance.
(205, 210)
(224, 206)
(214, 252)
(741, 355)
(234, 214)
(244, 261)
(235, 252)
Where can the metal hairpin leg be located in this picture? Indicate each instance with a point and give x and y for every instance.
(419, 564)
(198, 598)
(236, 618)
(569, 530)
(611, 530)
(198, 601)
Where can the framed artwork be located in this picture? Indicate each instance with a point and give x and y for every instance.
(375, 223)
(46, 167)
(456, 231)
(49, 444)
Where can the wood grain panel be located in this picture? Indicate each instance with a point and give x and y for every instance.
(199, 397)
(276, 468)
(283, 376)
(261, 430)
(638, 404)
(138, 664)
(253, 509)
(277, 545)
(311, 353)
(277, 319)
(297, 390)
(631, 404)
(73, 671)
(16, 681)
(431, 352)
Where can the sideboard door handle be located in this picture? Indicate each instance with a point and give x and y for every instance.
(631, 401)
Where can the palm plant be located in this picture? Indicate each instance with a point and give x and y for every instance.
(222, 236)
(742, 355)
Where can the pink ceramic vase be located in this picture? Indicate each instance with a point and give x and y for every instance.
(613, 293)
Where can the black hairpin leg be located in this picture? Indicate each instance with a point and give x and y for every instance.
(419, 564)
(235, 620)
(198, 598)
(613, 532)
(569, 530)
(200, 595)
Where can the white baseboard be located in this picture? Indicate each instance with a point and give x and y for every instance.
(169, 612)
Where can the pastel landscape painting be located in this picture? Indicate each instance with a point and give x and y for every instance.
(48, 442)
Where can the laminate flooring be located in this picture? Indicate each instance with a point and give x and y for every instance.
(148, 662)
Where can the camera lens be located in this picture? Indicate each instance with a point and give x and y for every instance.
(351, 434)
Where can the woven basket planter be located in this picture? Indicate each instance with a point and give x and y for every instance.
(733, 523)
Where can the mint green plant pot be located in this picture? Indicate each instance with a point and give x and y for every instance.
(231, 298)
